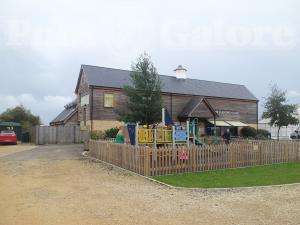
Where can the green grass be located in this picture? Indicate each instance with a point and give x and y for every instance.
(242, 177)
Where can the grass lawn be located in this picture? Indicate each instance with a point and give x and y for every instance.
(241, 177)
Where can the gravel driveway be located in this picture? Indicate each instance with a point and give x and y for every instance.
(56, 185)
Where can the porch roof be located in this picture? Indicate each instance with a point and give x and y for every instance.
(236, 123)
(194, 104)
(220, 123)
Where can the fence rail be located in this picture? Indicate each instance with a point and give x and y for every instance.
(151, 162)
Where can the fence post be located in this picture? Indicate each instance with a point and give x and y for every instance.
(230, 150)
(194, 134)
(145, 162)
(137, 134)
(173, 136)
(260, 153)
(155, 138)
(187, 133)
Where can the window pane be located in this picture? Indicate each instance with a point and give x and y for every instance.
(85, 100)
(109, 100)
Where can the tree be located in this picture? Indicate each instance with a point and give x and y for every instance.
(278, 111)
(20, 115)
(144, 102)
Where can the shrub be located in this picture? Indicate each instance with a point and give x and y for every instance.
(97, 134)
(248, 132)
(263, 134)
(111, 133)
(261, 137)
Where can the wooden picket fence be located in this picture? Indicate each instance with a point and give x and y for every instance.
(72, 134)
(152, 162)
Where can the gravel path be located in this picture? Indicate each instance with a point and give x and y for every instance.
(10, 149)
(55, 185)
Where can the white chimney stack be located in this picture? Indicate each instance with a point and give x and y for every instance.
(180, 72)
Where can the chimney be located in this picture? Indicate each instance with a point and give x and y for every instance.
(180, 72)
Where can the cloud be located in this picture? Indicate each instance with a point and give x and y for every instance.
(42, 45)
(293, 93)
(47, 107)
(294, 97)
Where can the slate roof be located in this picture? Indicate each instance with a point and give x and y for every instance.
(116, 78)
(69, 110)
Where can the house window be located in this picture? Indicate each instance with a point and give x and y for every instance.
(85, 100)
(108, 100)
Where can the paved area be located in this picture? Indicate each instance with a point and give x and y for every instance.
(56, 185)
(47, 152)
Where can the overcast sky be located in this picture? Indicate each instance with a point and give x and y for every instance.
(43, 44)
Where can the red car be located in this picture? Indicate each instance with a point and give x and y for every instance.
(8, 136)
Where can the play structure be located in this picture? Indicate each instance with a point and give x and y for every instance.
(165, 133)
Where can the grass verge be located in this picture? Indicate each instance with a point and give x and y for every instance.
(241, 177)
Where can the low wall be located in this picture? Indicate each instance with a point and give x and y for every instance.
(151, 162)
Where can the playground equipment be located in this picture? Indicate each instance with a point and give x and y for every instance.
(174, 135)
(165, 135)
(161, 135)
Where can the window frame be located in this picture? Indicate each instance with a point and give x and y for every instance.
(113, 100)
(84, 100)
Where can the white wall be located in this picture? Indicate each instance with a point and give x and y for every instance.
(285, 132)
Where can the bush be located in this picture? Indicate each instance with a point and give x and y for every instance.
(111, 133)
(97, 134)
(261, 137)
(248, 132)
(263, 134)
